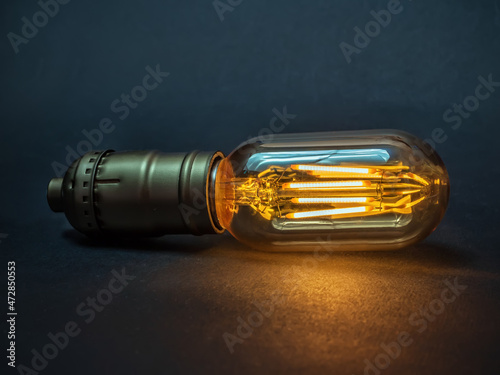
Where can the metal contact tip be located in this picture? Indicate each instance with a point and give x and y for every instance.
(54, 195)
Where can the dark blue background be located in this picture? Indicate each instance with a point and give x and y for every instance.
(225, 79)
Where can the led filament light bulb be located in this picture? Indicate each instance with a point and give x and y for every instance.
(356, 190)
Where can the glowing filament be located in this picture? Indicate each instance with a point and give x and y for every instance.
(332, 200)
(321, 168)
(326, 184)
(418, 179)
(336, 211)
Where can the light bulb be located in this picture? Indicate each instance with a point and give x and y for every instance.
(354, 190)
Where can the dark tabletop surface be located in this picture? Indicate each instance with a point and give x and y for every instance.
(209, 304)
